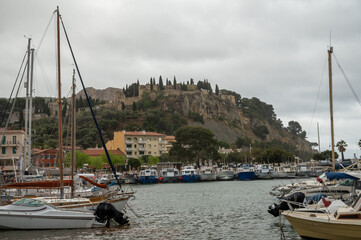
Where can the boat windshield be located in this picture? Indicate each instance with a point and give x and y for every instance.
(28, 202)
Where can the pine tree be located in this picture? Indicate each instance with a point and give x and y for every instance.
(160, 83)
(174, 83)
(217, 90)
(123, 106)
(192, 82)
(134, 106)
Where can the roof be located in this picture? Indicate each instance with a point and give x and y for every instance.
(143, 133)
(100, 151)
(170, 138)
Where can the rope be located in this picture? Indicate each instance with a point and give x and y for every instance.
(318, 94)
(91, 109)
(3, 111)
(348, 82)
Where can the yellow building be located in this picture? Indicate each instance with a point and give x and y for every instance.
(137, 144)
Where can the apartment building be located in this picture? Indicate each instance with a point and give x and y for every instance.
(137, 144)
(11, 148)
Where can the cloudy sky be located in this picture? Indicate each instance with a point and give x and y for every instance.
(273, 50)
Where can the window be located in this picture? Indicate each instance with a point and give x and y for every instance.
(149, 153)
(47, 156)
(14, 139)
(4, 139)
(141, 152)
(129, 145)
(3, 150)
(148, 139)
(54, 156)
(135, 145)
(42, 156)
(129, 153)
(149, 145)
(14, 150)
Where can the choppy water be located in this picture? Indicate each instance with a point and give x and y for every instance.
(205, 210)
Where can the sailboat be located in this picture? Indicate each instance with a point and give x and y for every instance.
(337, 222)
(30, 213)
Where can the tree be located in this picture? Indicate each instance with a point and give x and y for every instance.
(341, 145)
(134, 163)
(195, 143)
(217, 90)
(174, 83)
(324, 155)
(80, 159)
(134, 106)
(359, 143)
(161, 87)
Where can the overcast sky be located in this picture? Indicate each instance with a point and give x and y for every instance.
(273, 50)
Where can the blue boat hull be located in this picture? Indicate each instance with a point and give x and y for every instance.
(189, 178)
(246, 176)
(148, 179)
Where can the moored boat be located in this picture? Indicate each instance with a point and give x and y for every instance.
(207, 174)
(169, 175)
(28, 213)
(264, 171)
(245, 173)
(148, 176)
(225, 173)
(189, 174)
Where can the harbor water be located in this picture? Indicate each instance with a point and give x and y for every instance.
(204, 210)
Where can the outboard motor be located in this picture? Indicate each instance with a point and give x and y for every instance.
(106, 211)
(275, 208)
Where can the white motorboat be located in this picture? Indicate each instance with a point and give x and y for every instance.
(225, 173)
(169, 175)
(28, 213)
(264, 171)
(207, 174)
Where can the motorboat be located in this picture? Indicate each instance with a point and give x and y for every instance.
(338, 221)
(225, 173)
(189, 174)
(285, 171)
(28, 213)
(169, 175)
(148, 176)
(207, 174)
(245, 172)
(264, 171)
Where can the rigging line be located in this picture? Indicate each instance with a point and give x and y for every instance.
(348, 82)
(16, 96)
(91, 109)
(42, 70)
(3, 111)
(318, 94)
(42, 38)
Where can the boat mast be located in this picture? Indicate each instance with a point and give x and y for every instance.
(60, 131)
(73, 136)
(330, 51)
(318, 134)
(26, 109)
(30, 106)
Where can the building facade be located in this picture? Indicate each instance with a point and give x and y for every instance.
(138, 144)
(12, 146)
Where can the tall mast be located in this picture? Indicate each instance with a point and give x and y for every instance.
(26, 107)
(73, 136)
(60, 131)
(318, 134)
(330, 51)
(30, 106)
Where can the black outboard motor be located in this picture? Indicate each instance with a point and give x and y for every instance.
(106, 211)
(275, 208)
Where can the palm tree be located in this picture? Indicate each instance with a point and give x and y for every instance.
(341, 145)
(359, 143)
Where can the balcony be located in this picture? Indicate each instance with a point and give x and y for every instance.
(129, 156)
(162, 149)
(129, 141)
(10, 143)
(129, 149)
(141, 141)
(162, 142)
